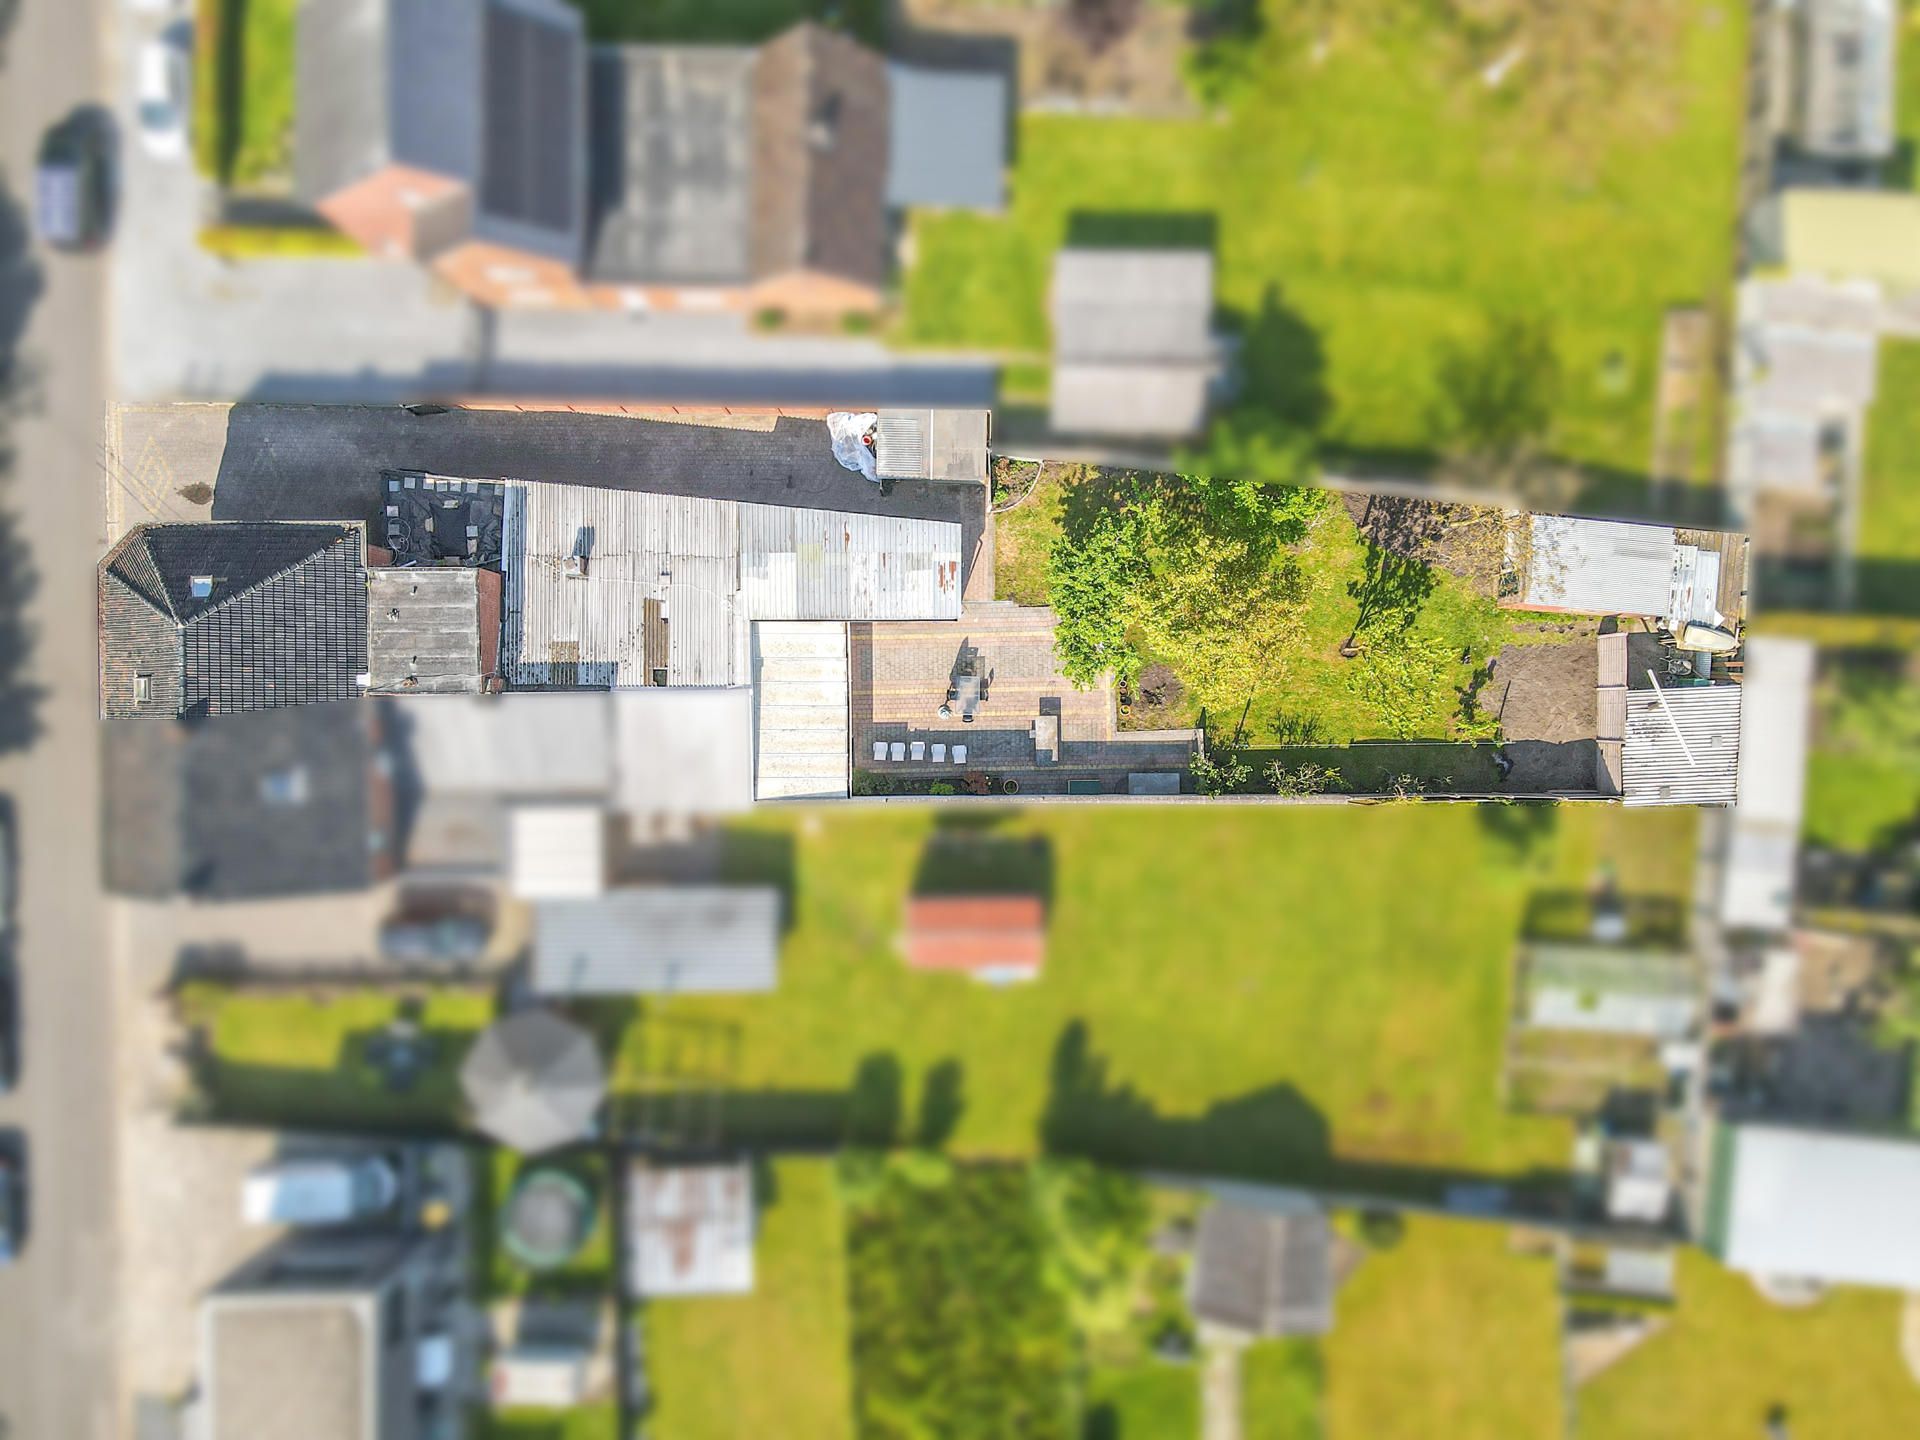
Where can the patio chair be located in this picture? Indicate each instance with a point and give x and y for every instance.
(899, 751)
(939, 753)
(959, 754)
(879, 749)
(918, 750)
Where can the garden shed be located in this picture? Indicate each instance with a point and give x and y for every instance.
(1264, 1271)
(689, 1229)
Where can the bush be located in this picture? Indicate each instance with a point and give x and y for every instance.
(859, 322)
(943, 787)
(770, 317)
(1223, 776)
(1382, 1229)
(1307, 778)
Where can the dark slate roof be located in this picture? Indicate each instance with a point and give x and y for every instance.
(489, 92)
(820, 118)
(1264, 1273)
(324, 462)
(284, 622)
(234, 807)
(669, 133)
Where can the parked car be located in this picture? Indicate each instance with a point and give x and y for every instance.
(72, 183)
(453, 938)
(13, 1205)
(319, 1190)
(163, 94)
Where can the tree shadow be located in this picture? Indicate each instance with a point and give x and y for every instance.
(1274, 1134)
(1390, 591)
(21, 284)
(942, 1102)
(1143, 230)
(1520, 829)
(1279, 366)
(968, 858)
(750, 855)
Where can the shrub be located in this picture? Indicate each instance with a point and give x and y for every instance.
(943, 787)
(1219, 777)
(1382, 1229)
(859, 322)
(278, 242)
(770, 317)
(1307, 778)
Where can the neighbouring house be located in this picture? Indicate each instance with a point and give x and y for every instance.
(993, 938)
(1263, 1270)
(222, 618)
(1763, 849)
(658, 940)
(241, 807)
(1134, 355)
(432, 631)
(689, 1229)
(452, 132)
(337, 1337)
(527, 167)
(1792, 1206)
(1838, 98)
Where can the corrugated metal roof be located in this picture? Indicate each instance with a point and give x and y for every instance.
(1820, 1206)
(1683, 752)
(800, 697)
(1599, 567)
(659, 940)
(689, 1229)
(717, 565)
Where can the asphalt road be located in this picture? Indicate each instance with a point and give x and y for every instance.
(57, 1311)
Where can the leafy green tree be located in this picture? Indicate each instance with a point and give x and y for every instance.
(1218, 775)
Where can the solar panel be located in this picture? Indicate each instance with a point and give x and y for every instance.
(527, 166)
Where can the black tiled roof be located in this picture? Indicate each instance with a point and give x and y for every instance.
(234, 807)
(284, 621)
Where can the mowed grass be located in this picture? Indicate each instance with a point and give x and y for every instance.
(300, 1058)
(775, 1362)
(1855, 802)
(1369, 211)
(1729, 1357)
(1267, 991)
(1889, 532)
(1450, 1333)
(599, 1421)
(1281, 1385)
(1153, 1400)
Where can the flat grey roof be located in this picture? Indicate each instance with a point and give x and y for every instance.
(947, 141)
(1817, 1205)
(659, 940)
(669, 133)
(423, 631)
(295, 1367)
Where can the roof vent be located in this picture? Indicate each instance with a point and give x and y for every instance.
(575, 567)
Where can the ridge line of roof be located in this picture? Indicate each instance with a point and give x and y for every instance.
(351, 528)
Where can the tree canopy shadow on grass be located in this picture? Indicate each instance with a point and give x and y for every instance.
(1274, 1134)
(21, 284)
(1143, 230)
(965, 856)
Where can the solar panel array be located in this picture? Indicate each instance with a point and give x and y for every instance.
(528, 161)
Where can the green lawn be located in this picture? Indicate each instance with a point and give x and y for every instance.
(244, 88)
(1853, 801)
(1281, 1384)
(1212, 977)
(1371, 210)
(1729, 1357)
(1150, 1401)
(1905, 169)
(1889, 530)
(293, 1058)
(1448, 1334)
(583, 1422)
(775, 1362)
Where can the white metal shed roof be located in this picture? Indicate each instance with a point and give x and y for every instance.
(1806, 1204)
(557, 851)
(689, 1229)
(1132, 305)
(1599, 567)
